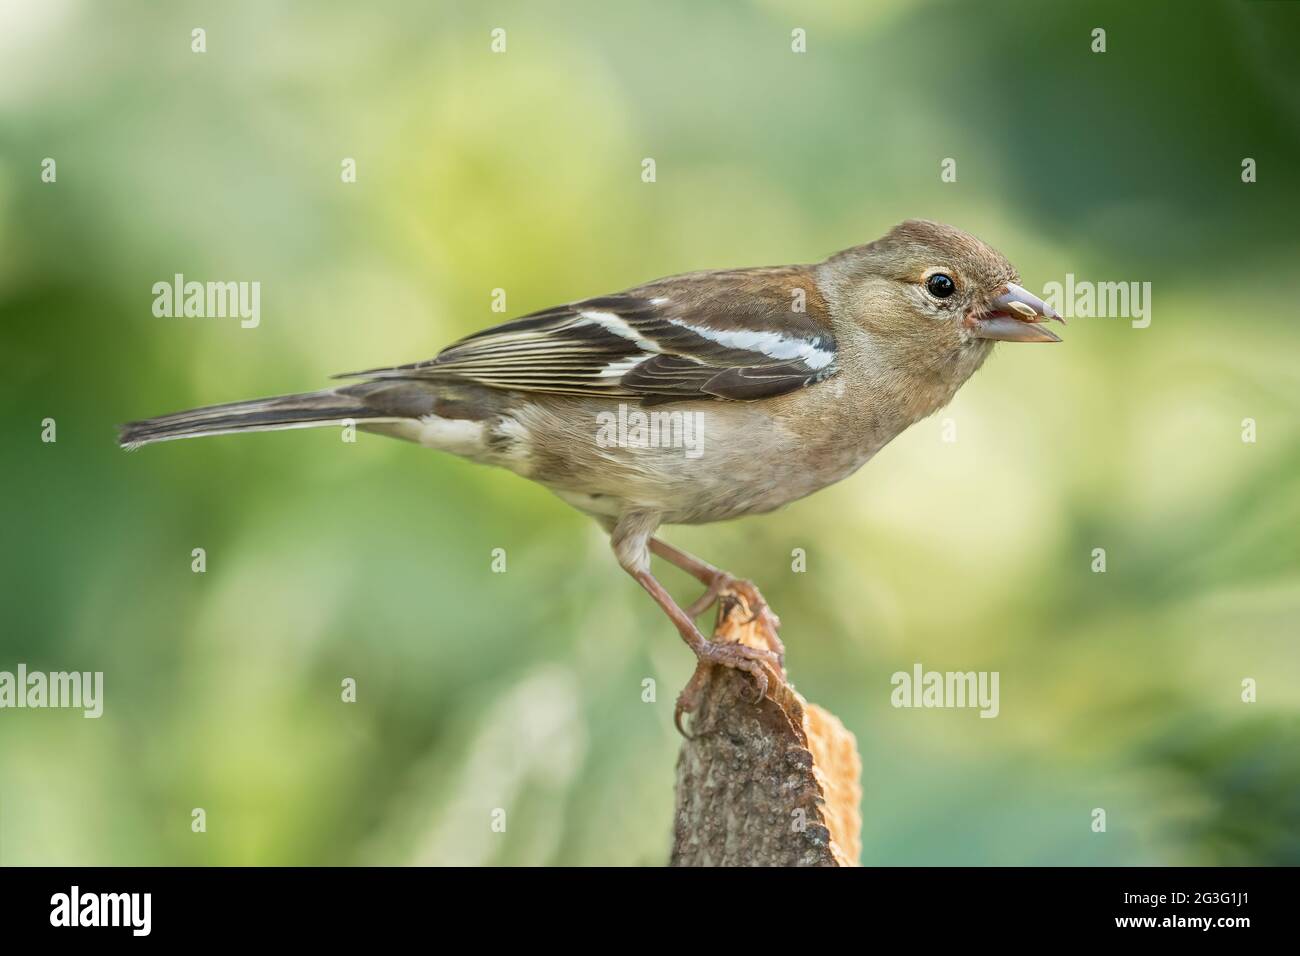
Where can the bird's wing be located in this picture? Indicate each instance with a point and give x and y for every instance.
(739, 335)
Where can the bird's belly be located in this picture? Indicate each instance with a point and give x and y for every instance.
(689, 463)
(739, 463)
(682, 498)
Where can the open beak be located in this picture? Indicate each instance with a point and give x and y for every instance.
(1015, 316)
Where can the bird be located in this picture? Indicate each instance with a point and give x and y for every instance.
(691, 399)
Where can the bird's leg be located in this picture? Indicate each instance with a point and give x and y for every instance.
(717, 582)
(629, 539)
(751, 660)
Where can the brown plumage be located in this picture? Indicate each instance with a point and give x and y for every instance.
(771, 382)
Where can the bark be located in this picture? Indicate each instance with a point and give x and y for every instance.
(773, 783)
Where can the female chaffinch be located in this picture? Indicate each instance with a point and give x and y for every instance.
(694, 398)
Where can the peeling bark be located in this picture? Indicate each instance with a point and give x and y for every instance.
(777, 783)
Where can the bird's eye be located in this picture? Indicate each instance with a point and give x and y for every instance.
(940, 285)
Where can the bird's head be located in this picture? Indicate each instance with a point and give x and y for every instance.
(933, 288)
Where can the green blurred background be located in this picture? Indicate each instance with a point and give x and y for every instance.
(522, 170)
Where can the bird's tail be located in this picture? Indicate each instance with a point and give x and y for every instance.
(307, 410)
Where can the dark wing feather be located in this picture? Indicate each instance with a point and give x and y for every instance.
(724, 335)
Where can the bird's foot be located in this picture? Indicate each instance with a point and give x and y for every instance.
(752, 660)
(723, 586)
(762, 615)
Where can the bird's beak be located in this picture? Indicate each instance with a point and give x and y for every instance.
(1015, 316)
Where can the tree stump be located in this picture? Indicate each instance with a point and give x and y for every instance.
(772, 783)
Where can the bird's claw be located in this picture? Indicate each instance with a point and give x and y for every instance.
(759, 611)
(742, 657)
